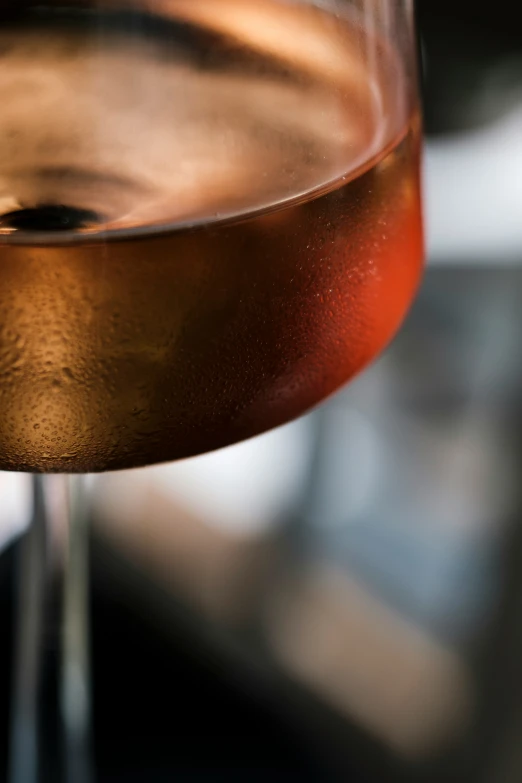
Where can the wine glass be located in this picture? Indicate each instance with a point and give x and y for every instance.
(209, 221)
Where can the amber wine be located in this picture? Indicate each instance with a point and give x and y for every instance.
(209, 220)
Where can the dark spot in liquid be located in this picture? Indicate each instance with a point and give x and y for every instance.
(50, 217)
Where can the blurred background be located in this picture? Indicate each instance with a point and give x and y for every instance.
(340, 600)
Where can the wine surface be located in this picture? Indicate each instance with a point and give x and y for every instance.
(209, 220)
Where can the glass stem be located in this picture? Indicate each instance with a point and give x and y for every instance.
(75, 680)
(52, 633)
